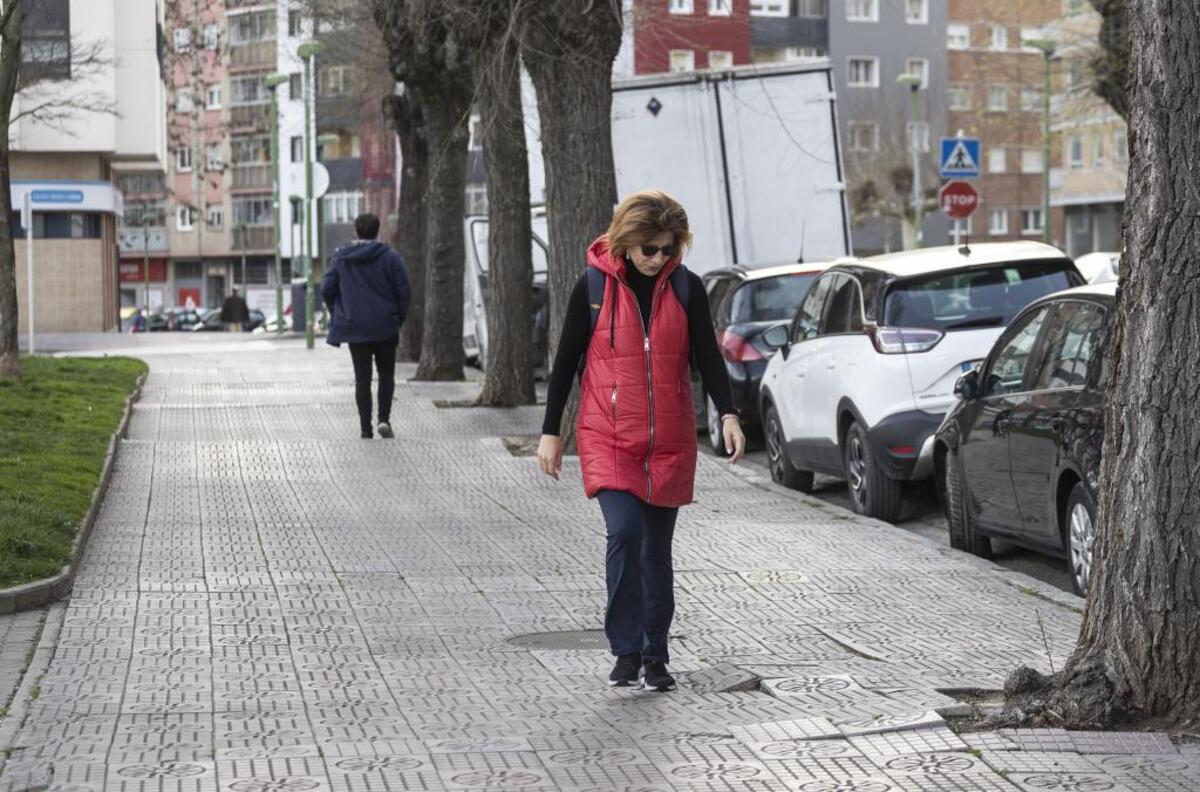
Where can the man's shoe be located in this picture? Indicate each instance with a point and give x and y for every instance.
(625, 672)
(657, 677)
(385, 430)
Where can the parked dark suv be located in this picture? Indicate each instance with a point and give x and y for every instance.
(1018, 457)
(745, 302)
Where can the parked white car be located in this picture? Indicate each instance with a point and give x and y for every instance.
(866, 370)
(1099, 267)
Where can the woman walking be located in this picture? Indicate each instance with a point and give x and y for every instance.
(633, 321)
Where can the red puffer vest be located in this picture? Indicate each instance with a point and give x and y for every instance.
(637, 430)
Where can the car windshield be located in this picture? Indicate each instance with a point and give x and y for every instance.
(973, 299)
(770, 299)
(479, 233)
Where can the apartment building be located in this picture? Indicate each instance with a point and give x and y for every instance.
(685, 35)
(92, 110)
(996, 93)
(1087, 186)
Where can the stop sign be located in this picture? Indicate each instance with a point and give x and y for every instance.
(958, 199)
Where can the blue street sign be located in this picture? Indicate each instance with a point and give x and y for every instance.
(57, 196)
(960, 158)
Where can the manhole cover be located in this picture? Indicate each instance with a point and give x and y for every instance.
(564, 641)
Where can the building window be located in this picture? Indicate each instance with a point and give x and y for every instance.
(774, 8)
(46, 46)
(998, 222)
(1031, 100)
(212, 36)
(343, 207)
(802, 53)
(183, 39)
(1031, 221)
(1032, 161)
(183, 218)
(213, 159)
(958, 97)
(862, 10)
(958, 36)
(296, 87)
(250, 150)
(1120, 146)
(809, 9)
(215, 217)
(63, 225)
(336, 80)
(212, 98)
(999, 37)
(720, 59)
(997, 159)
(1075, 152)
(183, 159)
(919, 132)
(252, 210)
(719, 8)
(681, 6)
(297, 211)
(475, 141)
(864, 136)
(1097, 150)
(294, 23)
(916, 12)
(183, 100)
(251, 28)
(863, 73)
(918, 67)
(682, 60)
(998, 98)
(297, 148)
(248, 91)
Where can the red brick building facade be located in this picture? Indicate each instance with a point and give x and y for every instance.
(681, 35)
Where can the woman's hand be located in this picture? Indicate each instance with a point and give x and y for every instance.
(735, 441)
(550, 455)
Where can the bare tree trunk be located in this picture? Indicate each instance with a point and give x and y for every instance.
(408, 121)
(1110, 66)
(1138, 649)
(569, 47)
(509, 378)
(11, 18)
(447, 107)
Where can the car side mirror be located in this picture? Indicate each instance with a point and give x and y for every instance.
(777, 338)
(967, 386)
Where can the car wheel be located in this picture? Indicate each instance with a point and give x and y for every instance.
(872, 492)
(1081, 537)
(713, 422)
(954, 503)
(782, 470)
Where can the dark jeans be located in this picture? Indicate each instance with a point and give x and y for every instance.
(384, 354)
(641, 580)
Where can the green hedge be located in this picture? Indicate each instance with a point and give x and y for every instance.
(55, 424)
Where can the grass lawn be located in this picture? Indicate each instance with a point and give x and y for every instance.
(55, 424)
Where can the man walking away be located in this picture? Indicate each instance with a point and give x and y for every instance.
(367, 292)
(235, 313)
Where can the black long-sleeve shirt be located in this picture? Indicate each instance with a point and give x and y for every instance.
(577, 333)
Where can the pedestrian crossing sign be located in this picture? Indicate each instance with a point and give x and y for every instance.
(960, 158)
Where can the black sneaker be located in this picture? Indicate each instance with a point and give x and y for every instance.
(626, 671)
(367, 434)
(385, 430)
(657, 677)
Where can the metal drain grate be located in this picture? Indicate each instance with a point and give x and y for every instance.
(563, 641)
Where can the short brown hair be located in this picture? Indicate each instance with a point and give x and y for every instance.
(643, 216)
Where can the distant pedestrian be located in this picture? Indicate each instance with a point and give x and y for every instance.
(137, 324)
(367, 292)
(235, 313)
(633, 320)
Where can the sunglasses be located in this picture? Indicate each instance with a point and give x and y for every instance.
(669, 251)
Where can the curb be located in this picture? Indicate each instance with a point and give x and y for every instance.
(43, 653)
(38, 593)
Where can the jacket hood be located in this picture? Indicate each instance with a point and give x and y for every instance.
(362, 252)
(599, 256)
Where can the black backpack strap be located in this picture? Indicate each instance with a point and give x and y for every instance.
(681, 285)
(596, 281)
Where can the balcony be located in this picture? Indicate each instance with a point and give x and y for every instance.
(256, 54)
(136, 239)
(251, 177)
(254, 238)
(250, 118)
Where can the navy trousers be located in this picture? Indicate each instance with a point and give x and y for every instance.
(641, 579)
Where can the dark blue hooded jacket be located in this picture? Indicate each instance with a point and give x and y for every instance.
(367, 292)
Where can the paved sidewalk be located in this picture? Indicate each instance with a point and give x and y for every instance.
(270, 603)
(18, 635)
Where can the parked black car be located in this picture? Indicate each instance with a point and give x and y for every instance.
(1018, 457)
(745, 302)
(212, 321)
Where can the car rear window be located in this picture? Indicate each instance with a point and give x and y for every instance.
(770, 299)
(975, 298)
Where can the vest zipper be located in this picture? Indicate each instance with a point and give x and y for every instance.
(613, 401)
(649, 381)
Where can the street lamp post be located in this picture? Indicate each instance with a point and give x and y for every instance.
(146, 261)
(913, 81)
(308, 52)
(241, 227)
(273, 82)
(1047, 47)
